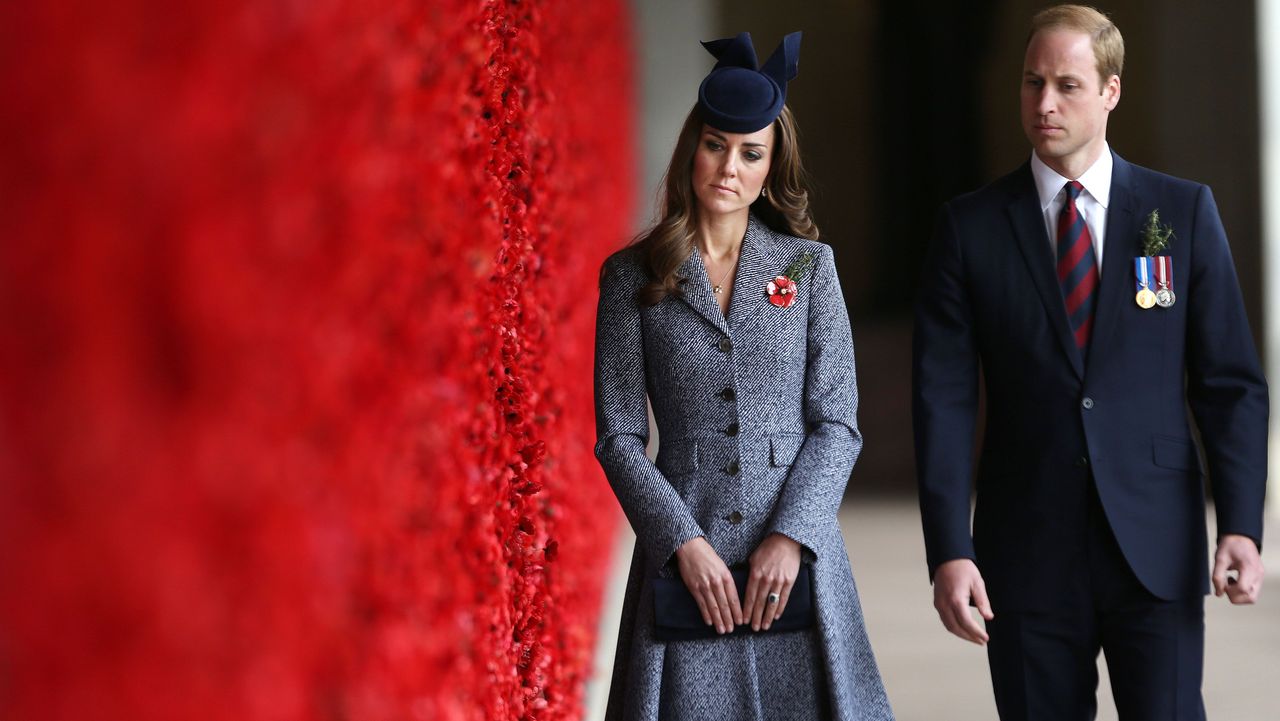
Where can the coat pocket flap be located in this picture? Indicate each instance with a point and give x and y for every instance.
(783, 449)
(676, 458)
(1174, 453)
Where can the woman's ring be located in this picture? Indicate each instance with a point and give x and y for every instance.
(773, 598)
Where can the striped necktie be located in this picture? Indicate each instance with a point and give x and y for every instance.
(1077, 268)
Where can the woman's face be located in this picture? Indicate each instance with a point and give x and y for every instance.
(729, 169)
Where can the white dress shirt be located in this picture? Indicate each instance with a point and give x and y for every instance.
(1092, 202)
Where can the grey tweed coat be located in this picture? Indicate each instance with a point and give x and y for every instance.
(757, 434)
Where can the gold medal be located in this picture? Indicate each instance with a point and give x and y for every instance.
(1142, 270)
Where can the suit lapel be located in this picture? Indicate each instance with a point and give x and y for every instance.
(757, 265)
(1121, 247)
(1028, 225)
(697, 291)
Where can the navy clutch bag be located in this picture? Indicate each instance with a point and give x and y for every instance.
(677, 618)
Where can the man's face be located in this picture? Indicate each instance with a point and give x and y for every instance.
(1064, 103)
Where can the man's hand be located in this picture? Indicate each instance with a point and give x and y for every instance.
(1240, 554)
(954, 584)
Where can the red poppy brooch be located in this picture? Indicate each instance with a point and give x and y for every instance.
(782, 289)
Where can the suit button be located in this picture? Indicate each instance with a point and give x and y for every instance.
(728, 394)
(732, 467)
(735, 518)
(726, 345)
(732, 430)
(1087, 403)
(1082, 462)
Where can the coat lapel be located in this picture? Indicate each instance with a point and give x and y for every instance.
(697, 291)
(758, 263)
(1028, 225)
(1117, 256)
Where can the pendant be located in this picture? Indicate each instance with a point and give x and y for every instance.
(717, 289)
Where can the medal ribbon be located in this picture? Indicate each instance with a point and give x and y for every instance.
(1142, 269)
(1164, 271)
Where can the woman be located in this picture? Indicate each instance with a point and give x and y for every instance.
(728, 317)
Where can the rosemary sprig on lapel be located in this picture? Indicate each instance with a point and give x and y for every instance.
(1155, 237)
(799, 266)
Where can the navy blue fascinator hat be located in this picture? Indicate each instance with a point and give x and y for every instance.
(739, 97)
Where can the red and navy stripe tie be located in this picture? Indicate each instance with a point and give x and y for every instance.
(1077, 268)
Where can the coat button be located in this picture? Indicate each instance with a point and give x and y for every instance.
(732, 467)
(732, 430)
(726, 345)
(1082, 462)
(728, 394)
(735, 518)
(1087, 403)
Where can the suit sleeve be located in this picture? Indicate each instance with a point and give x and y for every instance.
(660, 518)
(815, 484)
(1225, 386)
(944, 398)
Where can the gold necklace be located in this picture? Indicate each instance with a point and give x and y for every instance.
(719, 287)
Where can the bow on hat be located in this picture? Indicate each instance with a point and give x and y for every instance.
(738, 96)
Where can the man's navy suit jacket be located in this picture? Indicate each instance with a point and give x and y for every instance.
(990, 303)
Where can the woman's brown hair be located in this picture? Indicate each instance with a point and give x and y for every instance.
(669, 242)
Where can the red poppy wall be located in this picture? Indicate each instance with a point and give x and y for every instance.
(296, 306)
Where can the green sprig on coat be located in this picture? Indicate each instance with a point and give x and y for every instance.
(1155, 237)
(799, 266)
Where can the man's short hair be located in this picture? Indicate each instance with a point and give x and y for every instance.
(1108, 45)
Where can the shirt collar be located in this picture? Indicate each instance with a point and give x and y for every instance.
(1096, 180)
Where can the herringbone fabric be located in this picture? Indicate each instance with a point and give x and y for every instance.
(774, 390)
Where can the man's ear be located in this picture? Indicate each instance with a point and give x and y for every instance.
(1111, 92)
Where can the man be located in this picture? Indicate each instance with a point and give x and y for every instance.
(1093, 339)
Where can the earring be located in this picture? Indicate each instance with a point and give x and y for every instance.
(764, 192)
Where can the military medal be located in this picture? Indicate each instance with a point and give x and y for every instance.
(1142, 269)
(1155, 240)
(1164, 281)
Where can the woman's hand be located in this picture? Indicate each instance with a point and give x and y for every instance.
(708, 579)
(774, 567)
